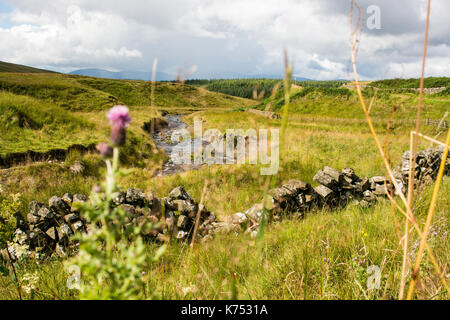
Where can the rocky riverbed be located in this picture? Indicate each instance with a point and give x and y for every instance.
(163, 140)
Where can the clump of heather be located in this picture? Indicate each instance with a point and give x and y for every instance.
(111, 256)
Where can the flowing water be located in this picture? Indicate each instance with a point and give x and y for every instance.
(164, 142)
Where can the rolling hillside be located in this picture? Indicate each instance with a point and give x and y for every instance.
(79, 93)
(48, 111)
(11, 67)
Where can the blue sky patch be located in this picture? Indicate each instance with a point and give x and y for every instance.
(4, 8)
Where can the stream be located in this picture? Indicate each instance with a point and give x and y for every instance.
(163, 142)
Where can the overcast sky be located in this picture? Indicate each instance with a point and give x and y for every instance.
(223, 36)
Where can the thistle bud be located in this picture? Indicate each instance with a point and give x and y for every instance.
(118, 135)
(97, 189)
(105, 150)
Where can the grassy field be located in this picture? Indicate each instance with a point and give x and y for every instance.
(40, 112)
(258, 88)
(324, 256)
(430, 82)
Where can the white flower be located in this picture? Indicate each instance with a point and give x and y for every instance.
(29, 282)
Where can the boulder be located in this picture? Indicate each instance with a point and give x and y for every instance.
(72, 217)
(325, 193)
(78, 199)
(238, 218)
(67, 198)
(45, 213)
(350, 174)
(119, 198)
(64, 231)
(57, 204)
(34, 207)
(330, 178)
(155, 125)
(135, 197)
(182, 222)
(179, 193)
(32, 219)
(52, 233)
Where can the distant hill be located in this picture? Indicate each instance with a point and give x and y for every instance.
(236, 76)
(430, 82)
(18, 68)
(161, 76)
(123, 75)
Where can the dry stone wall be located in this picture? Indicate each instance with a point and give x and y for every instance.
(47, 228)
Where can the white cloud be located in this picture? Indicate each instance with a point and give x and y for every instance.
(235, 35)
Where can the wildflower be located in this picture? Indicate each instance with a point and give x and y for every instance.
(105, 150)
(119, 119)
(29, 282)
(189, 289)
(97, 189)
(144, 273)
(118, 116)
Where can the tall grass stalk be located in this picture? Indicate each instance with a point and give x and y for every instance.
(413, 151)
(409, 213)
(429, 218)
(269, 180)
(152, 94)
(200, 208)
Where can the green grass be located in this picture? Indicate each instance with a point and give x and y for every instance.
(59, 89)
(325, 127)
(430, 82)
(343, 103)
(167, 94)
(246, 88)
(324, 256)
(78, 93)
(41, 112)
(29, 124)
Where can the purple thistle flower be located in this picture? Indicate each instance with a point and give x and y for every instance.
(119, 116)
(119, 119)
(97, 189)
